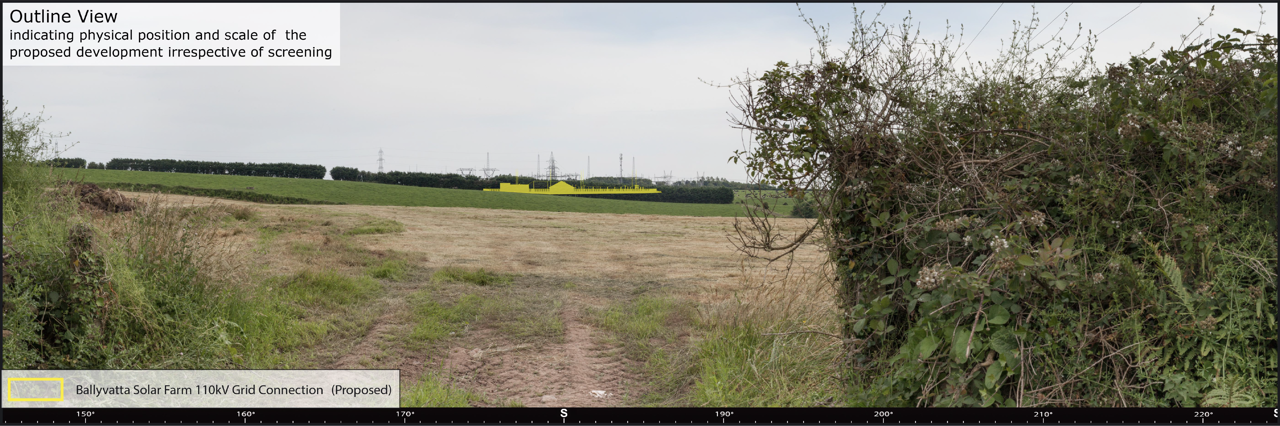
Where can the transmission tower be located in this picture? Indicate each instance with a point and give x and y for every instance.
(552, 171)
(379, 160)
(466, 170)
(620, 175)
(488, 171)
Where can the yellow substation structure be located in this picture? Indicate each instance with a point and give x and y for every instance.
(561, 188)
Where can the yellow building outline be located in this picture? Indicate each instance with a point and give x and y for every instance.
(61, 388)
(562, 188)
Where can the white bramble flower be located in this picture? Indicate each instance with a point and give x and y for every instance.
(1035, 219)
(967, 239)
(1075, 180)
(998, 243)
(931, 276)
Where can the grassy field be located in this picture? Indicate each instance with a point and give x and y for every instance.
(362, 193)
(778, 202)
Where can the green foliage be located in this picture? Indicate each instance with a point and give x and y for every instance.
(1231, 391)
(69, 163)
(145, 289)
(1121, 224)
(288, 170)
(25, 146)
(135, 299)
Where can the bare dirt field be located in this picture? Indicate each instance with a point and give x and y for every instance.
(565, 265)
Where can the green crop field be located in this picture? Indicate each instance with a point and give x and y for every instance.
(395, 195)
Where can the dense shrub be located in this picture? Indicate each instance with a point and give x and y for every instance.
(804, 209)
(1022, 237)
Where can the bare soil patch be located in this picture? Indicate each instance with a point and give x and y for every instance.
(580, 372)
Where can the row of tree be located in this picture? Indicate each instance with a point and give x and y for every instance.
(70, 163)
(678, 194)
(289, 170)
(669, 194)
(719, 181)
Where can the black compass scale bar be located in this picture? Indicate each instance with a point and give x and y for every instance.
(641, 416)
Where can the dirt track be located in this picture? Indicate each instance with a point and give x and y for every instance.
(582, 260)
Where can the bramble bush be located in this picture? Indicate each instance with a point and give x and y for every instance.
(1034, 236)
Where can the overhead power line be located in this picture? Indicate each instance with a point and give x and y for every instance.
(1055, 18)
(1121, 18)
(984, 26)
(1109, 26)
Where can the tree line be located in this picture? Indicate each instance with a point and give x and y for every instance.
(289, 170)
(669, 194)
(70, 163)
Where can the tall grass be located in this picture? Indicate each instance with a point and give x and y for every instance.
(151, 288)
(431, 391)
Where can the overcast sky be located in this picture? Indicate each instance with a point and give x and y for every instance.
(437, 86)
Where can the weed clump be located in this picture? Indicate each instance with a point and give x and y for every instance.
(326, 289)
(385, 226)
(477, 276)
(394, 270)
(243, 213)
(431, 391)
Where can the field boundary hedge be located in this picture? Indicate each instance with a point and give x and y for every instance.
(230, 194)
